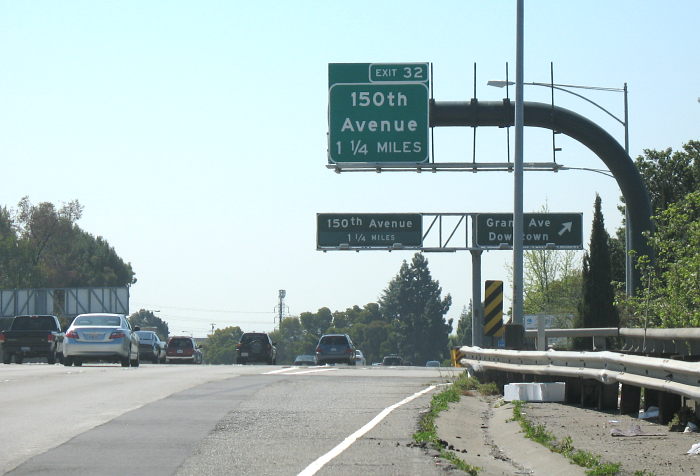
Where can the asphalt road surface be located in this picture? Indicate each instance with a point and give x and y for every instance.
(182, 419)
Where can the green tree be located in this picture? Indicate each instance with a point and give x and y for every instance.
(463, 336)
(16, 265)
(552, 282)
(598, 309)
(671, 296)
(413, 304)
(315, 324)
(147, 319)
(371, 337)
(669, 176)
(220, 347)
(291, 341)
(42, 246)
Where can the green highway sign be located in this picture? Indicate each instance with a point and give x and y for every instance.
(540, 230)
(369, 231)
(378, 113)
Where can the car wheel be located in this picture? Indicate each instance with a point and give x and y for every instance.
(134, 362)
(78, 362)
(6, 358)
(51, 358)
(18, 359)
(155, 359)
(67, 361)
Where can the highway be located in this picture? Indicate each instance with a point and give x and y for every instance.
(186, 419)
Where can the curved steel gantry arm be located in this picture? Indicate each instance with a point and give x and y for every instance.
(501, 114)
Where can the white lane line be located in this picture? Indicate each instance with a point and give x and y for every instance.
(313, 371)
(279, 371)
(323, 460)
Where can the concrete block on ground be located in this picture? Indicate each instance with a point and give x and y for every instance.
(535, 392)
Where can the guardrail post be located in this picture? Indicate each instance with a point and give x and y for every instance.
(607, 396)
(630, 397)
(651, 398)
(669, 404)
(589, 393)
(572, 389)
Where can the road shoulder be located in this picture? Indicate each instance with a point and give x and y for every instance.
(482, 434)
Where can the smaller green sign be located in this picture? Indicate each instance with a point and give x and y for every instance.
(369, 231)
(540, 230)
(398, 72)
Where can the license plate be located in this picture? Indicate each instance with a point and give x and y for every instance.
(179, 351)
(333, 349)
(244, 354)
(25, 349)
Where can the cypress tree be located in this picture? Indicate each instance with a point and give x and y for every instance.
(598, 309)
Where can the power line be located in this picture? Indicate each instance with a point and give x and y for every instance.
(229, 311)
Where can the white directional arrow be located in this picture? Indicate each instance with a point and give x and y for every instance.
(566, 226)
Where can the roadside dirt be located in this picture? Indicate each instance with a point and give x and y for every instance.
(481, 433)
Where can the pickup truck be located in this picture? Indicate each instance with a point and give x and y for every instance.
(32, 336)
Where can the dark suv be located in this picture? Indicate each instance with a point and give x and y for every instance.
(256, 347)
(335, 348)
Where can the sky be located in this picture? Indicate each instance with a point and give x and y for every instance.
(194, 133)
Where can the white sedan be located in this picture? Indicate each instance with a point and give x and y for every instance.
(360, 358)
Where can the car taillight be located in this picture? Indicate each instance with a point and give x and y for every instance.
(72, 334)
(50, 338)
(318, 349)
(238, 346)
(349, 351)
(2, 337)
(117, 335)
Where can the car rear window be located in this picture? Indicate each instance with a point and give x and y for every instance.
(334, 340)
(181, 343)
(33, 323)
(246, 338)
(97, 321)
(145, 335)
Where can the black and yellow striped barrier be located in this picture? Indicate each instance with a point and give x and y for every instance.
(493, 309)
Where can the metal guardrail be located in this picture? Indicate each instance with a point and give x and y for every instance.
(671, 341)
(666, 375)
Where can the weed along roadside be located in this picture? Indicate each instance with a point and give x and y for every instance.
(470, 427)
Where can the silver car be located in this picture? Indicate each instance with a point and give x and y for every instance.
(101, 338)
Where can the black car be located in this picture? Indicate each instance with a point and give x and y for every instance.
(335, 348)
(150, 346)
(256, 347)
(392, 359)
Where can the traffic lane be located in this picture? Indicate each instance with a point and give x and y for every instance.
(300, 418)
(43, 406)
(154, 439)
(89, 398)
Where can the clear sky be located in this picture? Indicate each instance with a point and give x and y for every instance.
(194, 133)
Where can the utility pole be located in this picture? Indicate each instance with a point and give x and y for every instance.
(517, 317)
(212, 327)
(280, 307)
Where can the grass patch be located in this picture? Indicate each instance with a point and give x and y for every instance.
(427, 433)
(539, 434)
